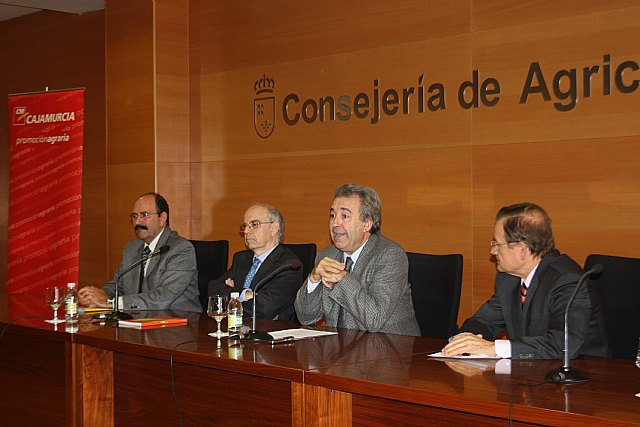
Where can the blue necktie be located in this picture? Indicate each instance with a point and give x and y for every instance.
(252, 272)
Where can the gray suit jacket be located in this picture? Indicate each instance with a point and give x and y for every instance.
(375, 296)
(171, 281)
(536, 330)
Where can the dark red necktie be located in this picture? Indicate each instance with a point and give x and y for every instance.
(523, 292)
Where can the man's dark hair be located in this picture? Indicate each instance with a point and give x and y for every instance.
(528, 223)
(161, 203)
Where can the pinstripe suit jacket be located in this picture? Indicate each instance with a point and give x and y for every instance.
(375, 296)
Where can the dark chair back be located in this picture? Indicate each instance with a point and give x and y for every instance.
(436, 282)
(618, 287)
(212, 257)
(306, 252)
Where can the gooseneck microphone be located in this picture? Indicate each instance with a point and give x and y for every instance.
(253, 334)
(565, 374)
(117, 314)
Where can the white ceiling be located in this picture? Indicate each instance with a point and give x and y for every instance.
(10, 9)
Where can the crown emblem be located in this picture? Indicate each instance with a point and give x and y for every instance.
(264, 85)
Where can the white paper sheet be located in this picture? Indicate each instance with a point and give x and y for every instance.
(299, 333)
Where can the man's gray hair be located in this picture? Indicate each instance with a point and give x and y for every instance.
(369, 203)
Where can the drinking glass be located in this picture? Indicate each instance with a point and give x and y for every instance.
(638, 354)
(217, 309)
(54, 296)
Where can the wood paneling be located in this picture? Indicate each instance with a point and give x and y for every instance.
(242, 34)
(131, 148)
(172, 101)
(33, 375)
(441, 175)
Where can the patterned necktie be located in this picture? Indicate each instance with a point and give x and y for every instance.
(348, 265)
(252, 272)
(523, 292)
(145, 254)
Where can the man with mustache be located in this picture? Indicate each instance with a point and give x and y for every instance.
(263, 231)
(361, 281)
(170, 279)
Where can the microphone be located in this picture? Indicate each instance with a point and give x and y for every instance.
(565, 374)
(117, 314)
(254, 335)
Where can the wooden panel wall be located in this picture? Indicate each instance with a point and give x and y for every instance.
(131, 115)
(60, 51)
(442, 175)
(180, 96)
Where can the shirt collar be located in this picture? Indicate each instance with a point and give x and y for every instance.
(154, 242)
(527, 280)
(354, 256)
(264, 255)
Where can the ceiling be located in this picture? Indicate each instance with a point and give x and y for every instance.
(10, 9)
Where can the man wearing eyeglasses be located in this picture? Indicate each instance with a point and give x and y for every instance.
(361, 281)
(533, 285)
(168, 280)
(263, 231)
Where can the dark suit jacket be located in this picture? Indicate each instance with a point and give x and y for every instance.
(376, 296)
(171, 280)
(536, 330)
(275, 298)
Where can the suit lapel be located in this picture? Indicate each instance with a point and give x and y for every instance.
(131, 286)
(152, 263)
(517, 314)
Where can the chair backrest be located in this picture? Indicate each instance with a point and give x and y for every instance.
(212, 257)
(306, 252)
(618, 287)
(436, 282)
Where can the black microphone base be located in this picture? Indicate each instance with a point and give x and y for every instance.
(117, 315)
(255, 336)
(567, 375)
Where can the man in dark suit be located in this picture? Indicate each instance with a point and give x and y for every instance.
(533, 285)
(361, 282)
(170, 280)
(263, 230)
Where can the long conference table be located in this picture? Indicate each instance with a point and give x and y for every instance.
(103, 375)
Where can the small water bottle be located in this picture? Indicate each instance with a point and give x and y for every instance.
(71, 304)
(234, 310)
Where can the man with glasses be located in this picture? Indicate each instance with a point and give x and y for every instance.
(533, 285)
(165, 280)
(361, 281)
(263, 231)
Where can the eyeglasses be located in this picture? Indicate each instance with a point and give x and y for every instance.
(252, 225)
(496, 245)
(144, 215)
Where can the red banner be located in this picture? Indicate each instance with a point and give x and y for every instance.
(45, 183)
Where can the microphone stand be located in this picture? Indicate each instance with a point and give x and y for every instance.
(565, 374)
(117, 315)
(254, 335)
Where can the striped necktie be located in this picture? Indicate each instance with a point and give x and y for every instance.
(145, 255)
(523, 292)
(348, 265)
